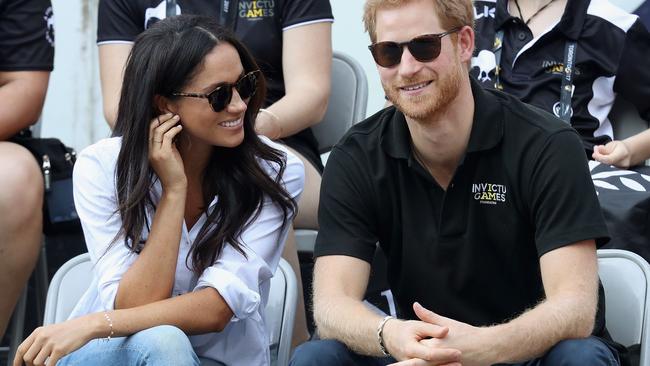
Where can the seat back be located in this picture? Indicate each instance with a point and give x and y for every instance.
(347, 103)
(280, 311)
(626, 280)
(66, 288)
(73, 278)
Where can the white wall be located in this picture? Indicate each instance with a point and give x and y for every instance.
(73, 110)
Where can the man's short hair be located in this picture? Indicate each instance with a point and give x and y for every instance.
(451, 13)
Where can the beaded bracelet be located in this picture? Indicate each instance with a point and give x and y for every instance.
(110, 324)
(380, 335)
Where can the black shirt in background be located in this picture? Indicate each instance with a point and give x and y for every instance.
(26, 35)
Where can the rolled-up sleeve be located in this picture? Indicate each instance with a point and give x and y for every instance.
(238, 278)
(96, 204)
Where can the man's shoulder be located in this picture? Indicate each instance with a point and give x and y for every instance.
(367, 134)
(525, 118)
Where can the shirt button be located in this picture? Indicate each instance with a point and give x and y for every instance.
(521, 36)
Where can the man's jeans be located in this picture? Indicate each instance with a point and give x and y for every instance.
(574, 352)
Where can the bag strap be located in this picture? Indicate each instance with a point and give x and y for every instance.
(170, 9)
(567, 87)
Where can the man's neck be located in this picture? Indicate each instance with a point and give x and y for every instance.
(441, 141)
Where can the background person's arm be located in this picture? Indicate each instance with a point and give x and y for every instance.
(630, 152)
(112, 60)
(306, 65)
(632, 82)
(22, 94)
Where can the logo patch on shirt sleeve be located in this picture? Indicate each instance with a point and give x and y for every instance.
(489, 193)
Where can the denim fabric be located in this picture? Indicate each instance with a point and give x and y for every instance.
(164, 345)
(574, 352)
(330, 352)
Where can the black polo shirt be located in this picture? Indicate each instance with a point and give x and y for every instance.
(611, 58)
(26, 35)
(471, 252)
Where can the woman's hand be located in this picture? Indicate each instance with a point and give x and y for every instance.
(58, 340)
(163, 154)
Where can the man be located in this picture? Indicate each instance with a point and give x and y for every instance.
(26, 57)
(483, 206)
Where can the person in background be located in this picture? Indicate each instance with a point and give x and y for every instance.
(185, 212)
(532, 41)
(467, 191)
(290, 40)
(26, 60)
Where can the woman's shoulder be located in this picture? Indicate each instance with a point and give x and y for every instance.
(103, 152)
(104, 147)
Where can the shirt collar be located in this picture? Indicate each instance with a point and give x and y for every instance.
(487, 127)
(571, 23)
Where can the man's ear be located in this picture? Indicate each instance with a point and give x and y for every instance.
(465, 41)
(164, 105)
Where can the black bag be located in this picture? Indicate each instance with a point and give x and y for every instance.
(624, 197)
(56, 161)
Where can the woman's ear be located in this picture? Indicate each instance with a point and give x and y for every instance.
(164, 105)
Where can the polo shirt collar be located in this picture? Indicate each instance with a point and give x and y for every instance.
(570, 25)
(487, 127)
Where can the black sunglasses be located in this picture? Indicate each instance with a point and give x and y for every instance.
(220, 97)
(424, 48)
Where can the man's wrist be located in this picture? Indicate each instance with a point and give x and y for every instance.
(380, 335)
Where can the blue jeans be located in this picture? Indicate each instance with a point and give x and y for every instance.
(574, 352)
(163, 345)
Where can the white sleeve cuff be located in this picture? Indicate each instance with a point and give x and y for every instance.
(242, 300)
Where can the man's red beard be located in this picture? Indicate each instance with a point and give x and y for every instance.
(424, 107)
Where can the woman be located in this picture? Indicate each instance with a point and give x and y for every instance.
(291, 42)
(185, 211)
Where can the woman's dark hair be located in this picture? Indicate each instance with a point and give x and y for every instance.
(163, 60)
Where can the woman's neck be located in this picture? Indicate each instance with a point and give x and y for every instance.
(195, 155)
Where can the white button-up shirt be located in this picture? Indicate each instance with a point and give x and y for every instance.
(243, 282)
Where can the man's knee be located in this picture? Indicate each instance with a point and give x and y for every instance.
(578, 352)
(165, 345)
(321, 352)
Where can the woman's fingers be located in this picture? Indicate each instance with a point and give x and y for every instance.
(31, 351)
(168, 137)
(44, 353)
(159, 126)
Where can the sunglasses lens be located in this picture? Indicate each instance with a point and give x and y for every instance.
(386, 54)
(425, 48)
(220, 98)
(247, 85)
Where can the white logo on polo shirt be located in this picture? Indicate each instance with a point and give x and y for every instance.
(486, 62)
(486, 12)
(49, 21)
(153, 15)
(489, 193)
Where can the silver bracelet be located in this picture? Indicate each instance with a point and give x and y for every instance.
(110, 324)
(380, 335)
